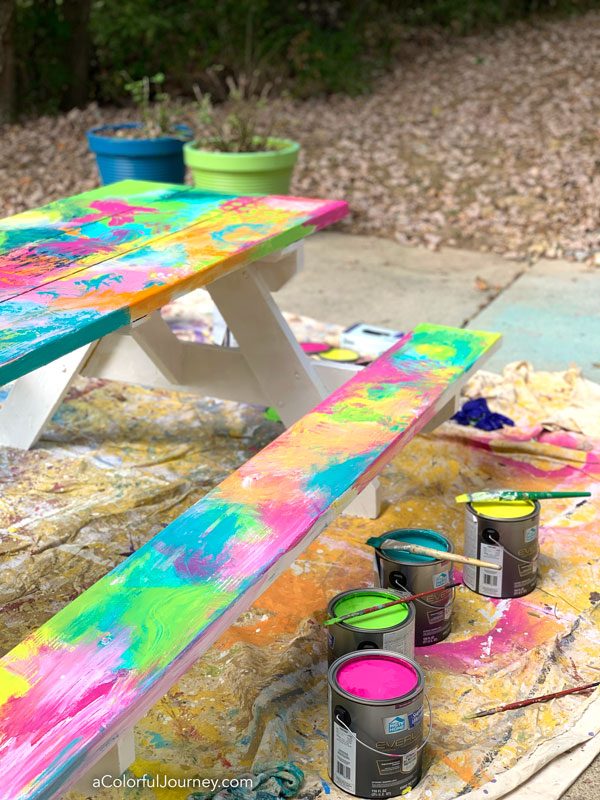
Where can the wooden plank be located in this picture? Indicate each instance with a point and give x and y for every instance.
(76, 236)
(40, 221)
(92, 670)
(46, 323)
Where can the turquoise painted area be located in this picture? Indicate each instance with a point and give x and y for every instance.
(334, 478)
(425, 538)
(55, 335)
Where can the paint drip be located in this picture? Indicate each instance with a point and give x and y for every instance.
(387, 629)
(375, 723)
(505, 533)
(411, 574)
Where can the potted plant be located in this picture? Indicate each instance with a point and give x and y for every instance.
(151, 149)
(230, 156)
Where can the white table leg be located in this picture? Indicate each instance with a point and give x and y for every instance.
(34, 398)
(285, 374)
(279, 365)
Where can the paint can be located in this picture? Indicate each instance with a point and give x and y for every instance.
(414, 574)
(376, 723)
(388, 629)
(505, 533)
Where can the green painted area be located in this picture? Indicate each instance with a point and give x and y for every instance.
(376, 620)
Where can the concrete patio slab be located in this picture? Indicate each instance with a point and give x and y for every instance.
(550, 316)
(549, 313)
(350, 279)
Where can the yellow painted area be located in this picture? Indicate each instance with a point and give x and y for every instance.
(504, 509)
(438, 352)
(339, 354)
(11, 685)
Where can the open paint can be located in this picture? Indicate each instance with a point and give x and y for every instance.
(414, 574)
(387, 629)
(505, 533)
(376, 723)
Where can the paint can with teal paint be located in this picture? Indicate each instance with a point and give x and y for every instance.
(413, 574)
(387, 629)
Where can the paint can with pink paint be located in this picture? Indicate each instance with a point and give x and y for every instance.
(505, 533)
(376, 723)
(413, 574)
(386, 629)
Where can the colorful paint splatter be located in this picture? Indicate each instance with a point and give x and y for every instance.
(85, 266)
(103, 660)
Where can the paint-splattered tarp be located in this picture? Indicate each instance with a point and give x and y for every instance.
(119, 462)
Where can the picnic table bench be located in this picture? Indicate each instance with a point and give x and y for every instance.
(71, 692)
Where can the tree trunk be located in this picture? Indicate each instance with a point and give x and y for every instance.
(77, 15)
(7, 60)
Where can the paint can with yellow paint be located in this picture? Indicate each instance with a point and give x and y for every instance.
(505, 533)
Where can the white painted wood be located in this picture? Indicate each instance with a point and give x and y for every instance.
(207, 369)
(283, 371)
(442, 415)
(111, 765)
(34, 398)
(277, 272)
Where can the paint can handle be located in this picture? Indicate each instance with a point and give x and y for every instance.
(382, 752)
(513, 556)
(429, 605)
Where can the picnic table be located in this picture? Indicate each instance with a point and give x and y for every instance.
(82, 282)
(83, 279)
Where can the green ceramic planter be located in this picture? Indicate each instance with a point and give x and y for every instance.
(268, 172)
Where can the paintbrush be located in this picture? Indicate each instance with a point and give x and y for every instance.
(510, 494)
(398, 602)
(543, 698)
(419, 550)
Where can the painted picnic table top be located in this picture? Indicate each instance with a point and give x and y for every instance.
(96, 666)
(82, 267)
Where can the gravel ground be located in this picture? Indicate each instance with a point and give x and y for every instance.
(487, 142)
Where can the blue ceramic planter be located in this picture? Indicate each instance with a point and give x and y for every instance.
(140, 159)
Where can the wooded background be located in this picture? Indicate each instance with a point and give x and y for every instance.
(58, 54)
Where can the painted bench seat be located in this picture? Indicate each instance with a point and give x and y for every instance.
(96, 667)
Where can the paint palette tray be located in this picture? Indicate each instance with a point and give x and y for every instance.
(369, 340)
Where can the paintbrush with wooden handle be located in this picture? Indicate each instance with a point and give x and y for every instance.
(420, 550)
(542, 698)
(399, 601)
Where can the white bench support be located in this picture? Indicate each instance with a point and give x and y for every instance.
(113, 763)
(268, 368)
(34, 398)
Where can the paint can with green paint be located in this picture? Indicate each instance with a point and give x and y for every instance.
(413, 574)
(387, 629)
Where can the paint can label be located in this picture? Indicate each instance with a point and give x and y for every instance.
(402, 722)
(490, 580)
(531, 534)
(409, 760)
(344, 758)
(441, 579)
(401, 641)
(469, 571)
